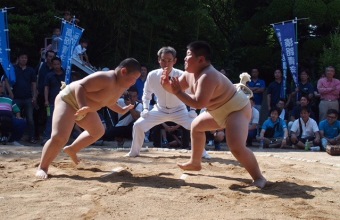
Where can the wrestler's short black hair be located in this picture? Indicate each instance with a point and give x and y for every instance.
(131, 64)
(201, 48)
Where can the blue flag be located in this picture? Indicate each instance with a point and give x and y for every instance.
(286, 33)
(4, 48)
(69, 39)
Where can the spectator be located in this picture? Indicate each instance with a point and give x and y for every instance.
(8, 124)
(52, 88)
(330, 129)
(295, 114)
(141, 81)
(69, 17)
(257, 86)
(56, 39)
(123, 128)
(174, 135)
(79, 52)
(254, 121)
(305, 88)
(7, 90)
(40, 115)
(284, 115)
(24, 91)
(276, 91)
(304, 129)
(274, 130)
(329, 89)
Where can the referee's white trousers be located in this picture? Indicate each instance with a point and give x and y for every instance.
(156, 117)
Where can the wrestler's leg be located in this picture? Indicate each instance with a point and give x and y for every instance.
(93, 130)
(236, 135)
(62, 124)
(203, 122)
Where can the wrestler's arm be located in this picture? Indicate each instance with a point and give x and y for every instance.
(120, 110)
(202, 95)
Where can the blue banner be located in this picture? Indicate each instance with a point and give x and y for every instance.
(4, 48)
(286, 33)
(70, 36)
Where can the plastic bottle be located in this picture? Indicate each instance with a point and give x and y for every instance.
(48, 111)
(307, 145)
(261, 144)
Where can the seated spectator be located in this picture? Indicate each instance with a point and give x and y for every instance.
(295, 114)
(304, 129)
(7, 109)
(274, 130)
(123, 128)
(254, 121)
(330, 129)
(216, 137)
(174, 135)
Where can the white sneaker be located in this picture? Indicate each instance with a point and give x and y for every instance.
(205, 155)
(211, 143)
(15, 143)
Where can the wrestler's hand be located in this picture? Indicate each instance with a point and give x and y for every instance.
(127, 108)
(165, 80)
(144, 113)
(192, 114)
(83, 111)
(175, 85)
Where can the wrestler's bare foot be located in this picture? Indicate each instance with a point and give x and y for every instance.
(41, 174)
(260, 183)
(190, 166)
(68, 150)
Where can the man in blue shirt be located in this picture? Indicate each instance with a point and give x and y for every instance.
(141, 81)
(276, 91)
(329, 129)
(257, 86)
(25, 92)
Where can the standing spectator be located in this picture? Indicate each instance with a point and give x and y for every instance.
(51, 90)
(40, 113)
(329, 89)
(24, 91)
(330, 129)
(168, 107)
(56, 39)
(305, 88)
(141, 81)
(254, 121)
(257, 86)
(304, 129)
(276, 90)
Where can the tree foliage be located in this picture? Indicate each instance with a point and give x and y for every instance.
(239, 31)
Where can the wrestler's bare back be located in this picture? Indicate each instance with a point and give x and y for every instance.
(211, 84)
(101, 89)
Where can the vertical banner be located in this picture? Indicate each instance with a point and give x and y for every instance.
(69, 39)
(4, 48)
(286, 34)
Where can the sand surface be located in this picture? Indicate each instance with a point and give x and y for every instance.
(106, 185)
